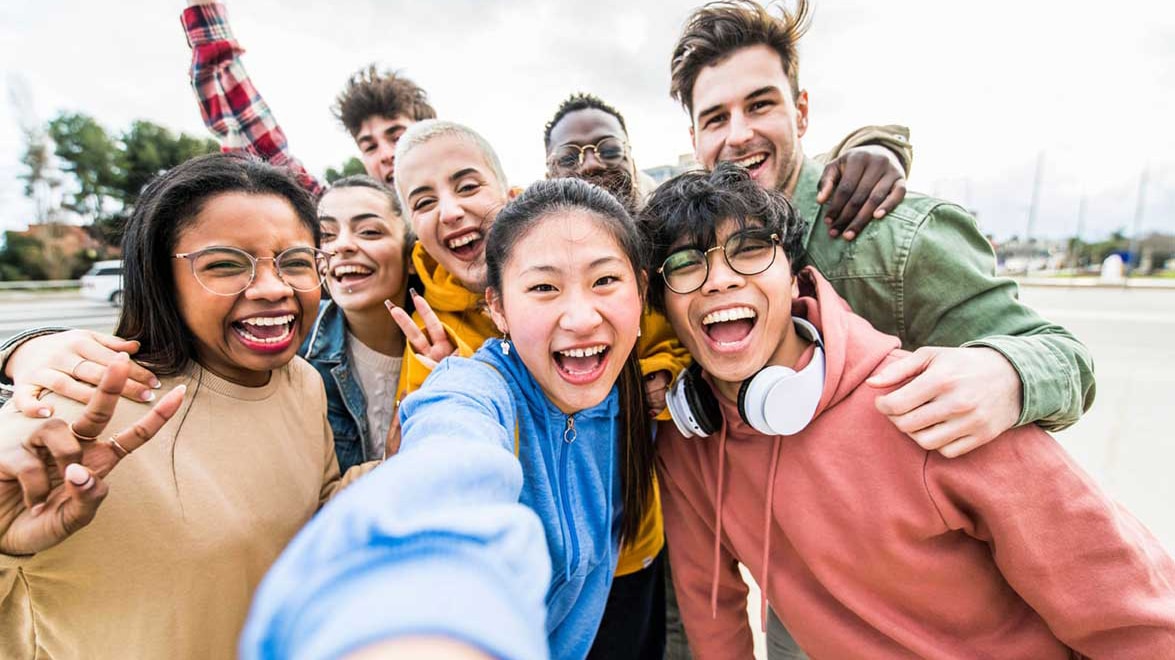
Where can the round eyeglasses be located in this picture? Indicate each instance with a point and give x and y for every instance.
(610, 151)
(686, 270)
(227, 271)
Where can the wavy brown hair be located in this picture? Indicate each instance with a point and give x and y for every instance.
(371, 92)
(718, 29)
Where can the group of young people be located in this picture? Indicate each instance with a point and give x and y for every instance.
(552, 422)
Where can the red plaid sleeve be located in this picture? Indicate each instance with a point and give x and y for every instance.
(231, 106)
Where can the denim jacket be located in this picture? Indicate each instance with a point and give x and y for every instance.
(326, 349)
(925, 273)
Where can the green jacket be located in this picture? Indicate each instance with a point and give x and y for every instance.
(925, 274)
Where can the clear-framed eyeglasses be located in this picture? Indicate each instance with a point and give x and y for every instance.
(747, 253)
(227, 271)
(610, 151)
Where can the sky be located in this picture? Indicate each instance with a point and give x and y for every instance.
(989, 90)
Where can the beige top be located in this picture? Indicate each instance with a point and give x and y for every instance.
(192, 521)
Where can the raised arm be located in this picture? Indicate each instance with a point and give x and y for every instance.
(231, 106)
(432, 542)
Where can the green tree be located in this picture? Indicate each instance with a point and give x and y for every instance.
(148, 150)
(88, 153)
(352, 166)
(23, 258)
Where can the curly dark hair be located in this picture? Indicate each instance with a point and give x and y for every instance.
(692, 206)
(580, 101)
(717, 29)
(371, 92)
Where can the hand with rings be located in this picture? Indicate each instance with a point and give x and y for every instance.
(51, 481)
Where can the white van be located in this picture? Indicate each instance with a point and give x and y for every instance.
(103, 282)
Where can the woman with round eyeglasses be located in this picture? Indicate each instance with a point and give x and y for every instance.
(122, 544)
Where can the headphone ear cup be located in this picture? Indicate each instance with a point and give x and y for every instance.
(701, 400)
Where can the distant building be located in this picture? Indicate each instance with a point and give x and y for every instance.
(662, 173)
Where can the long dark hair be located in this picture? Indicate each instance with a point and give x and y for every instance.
(167, 206)
(514, 222)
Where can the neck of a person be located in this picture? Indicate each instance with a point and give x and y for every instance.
(793, 177)
(376, 328)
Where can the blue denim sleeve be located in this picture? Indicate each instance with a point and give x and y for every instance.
(433, 542)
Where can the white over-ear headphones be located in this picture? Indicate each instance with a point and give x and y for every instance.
(775, 401)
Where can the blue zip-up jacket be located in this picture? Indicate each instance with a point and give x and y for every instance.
(571, 474)
(433, 542)
(346, 406)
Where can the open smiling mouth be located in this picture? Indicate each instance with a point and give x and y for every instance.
(266, 334)
(466, 246)
(753, 163)
(351, 274)
(729, 327)
(582, 365)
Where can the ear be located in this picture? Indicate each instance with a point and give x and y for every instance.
(494, 302)
(513, 192)
(693, 141)
(802, 113)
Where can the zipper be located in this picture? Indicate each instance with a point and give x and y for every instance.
(569, 435)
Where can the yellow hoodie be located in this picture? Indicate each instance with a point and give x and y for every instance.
(468, 325)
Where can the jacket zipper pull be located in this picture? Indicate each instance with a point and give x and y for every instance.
(569, 432)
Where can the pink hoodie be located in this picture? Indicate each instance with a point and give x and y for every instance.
(872, 547)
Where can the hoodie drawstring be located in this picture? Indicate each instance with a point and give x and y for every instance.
(718, 521)
(767, 515)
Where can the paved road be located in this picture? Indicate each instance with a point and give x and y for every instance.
(21, 309)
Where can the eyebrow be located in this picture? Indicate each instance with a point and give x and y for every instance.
(357, 218)
(547, 268)
(762, 91)
(454, 177)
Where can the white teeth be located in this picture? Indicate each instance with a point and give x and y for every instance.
(751, 161)
(584, 352)
(266, 340)
(352, 269)
(269, 320)
(731, 314)
(464, 240)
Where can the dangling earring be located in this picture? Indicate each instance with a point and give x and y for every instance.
(638, 332)
(505, 343)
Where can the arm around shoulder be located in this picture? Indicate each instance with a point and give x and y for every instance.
(952, 297)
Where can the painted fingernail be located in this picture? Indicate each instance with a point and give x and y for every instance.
(413, 292)
(148, 396)
(44, 412)
(182, 389)
(78, 475)
(154, 383)
(37, 509)
(391, 306)
(850, 235)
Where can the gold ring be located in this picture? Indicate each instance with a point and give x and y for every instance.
(79, 436)
(118, 449)
(73, 372)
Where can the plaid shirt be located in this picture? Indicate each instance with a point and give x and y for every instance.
(231, 106)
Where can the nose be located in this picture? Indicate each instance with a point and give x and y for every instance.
(387, 153)
(450, 209)
(592, 162)
(266, 284)
(579, 315)
(721, 276)
(343, 243)
(739, 131)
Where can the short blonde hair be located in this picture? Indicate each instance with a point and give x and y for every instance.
(423, 132)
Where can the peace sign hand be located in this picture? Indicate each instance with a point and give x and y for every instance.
(51, 482)
(432, 347)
